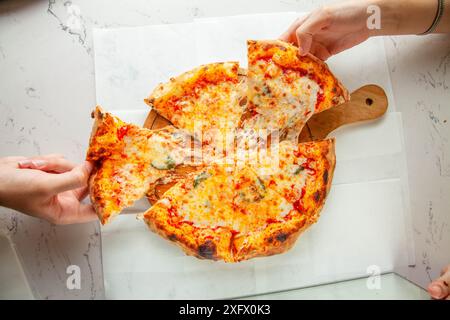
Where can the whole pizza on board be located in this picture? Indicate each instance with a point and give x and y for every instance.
(238, 184)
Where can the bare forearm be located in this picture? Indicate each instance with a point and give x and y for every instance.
(401, 17)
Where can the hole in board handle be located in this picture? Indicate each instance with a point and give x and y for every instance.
(369, 101)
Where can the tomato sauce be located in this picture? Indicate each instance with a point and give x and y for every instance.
(320, 99)
(298, 204)
(271, 220)
(122, 131)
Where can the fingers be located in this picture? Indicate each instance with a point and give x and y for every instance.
(320, 51)
(81, 193)
(85, 213)
(73, 179)
(316, 22)
(439, 288)
(11, 160)
(303, 30)
(15, 160)
(48, 163)
(289, 34)
(72, 213)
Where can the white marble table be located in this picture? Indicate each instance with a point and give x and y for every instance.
(47, 92)
(392, 287)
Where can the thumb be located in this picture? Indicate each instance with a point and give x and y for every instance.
(73, 179)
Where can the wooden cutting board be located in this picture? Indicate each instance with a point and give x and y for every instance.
(366, 103)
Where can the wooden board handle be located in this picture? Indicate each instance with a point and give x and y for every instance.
(155, 121)
(367, 103)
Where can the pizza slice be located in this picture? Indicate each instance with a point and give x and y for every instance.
(128, 159)
(233, 214)
(207, 101)
(287, 173)
(285, 89)
(195, 214)
(301, 176)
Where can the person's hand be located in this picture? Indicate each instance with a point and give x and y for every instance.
(439, 288)
(330, 29)
(340, 26)
(47, 187)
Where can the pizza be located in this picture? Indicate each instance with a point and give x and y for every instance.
(207, 101)
(128, 159)
(238, 214)
(222, 197)
(284, 89)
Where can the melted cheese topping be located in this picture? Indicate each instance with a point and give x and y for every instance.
(285, 174)
(285, 90)
(135, 159)
(279, 99)
(215, 198)
(204, 101)
(168, 149)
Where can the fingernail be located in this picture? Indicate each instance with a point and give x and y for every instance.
(24, 163)
(39, 163)
(436, 291)
(89, 166)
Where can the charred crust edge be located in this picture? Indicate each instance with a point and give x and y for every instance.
(282, 236)
(207, 250)
(325, 177)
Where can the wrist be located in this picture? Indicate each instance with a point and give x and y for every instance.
(404, 17)
(390, 16)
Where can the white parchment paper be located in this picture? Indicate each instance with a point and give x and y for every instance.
(365, 223)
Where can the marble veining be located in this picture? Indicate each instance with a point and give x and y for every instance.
(420, 79)
(47, 92)
(70, 20)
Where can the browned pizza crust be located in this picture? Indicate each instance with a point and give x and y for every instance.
(210, 210)
(280, 237)
(129, 160)
(103, 143)
(224, 243)
(286, 56)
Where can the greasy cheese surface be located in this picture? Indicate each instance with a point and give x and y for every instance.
(226, 208)
(131, 159)
(204, 101)
(279, 99)
(237, 200)
(284, 89)
(237, 204)
(287, 173)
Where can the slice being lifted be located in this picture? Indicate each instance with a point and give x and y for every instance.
(236, 214)
(128, 159)
(280, 91)
(285, 89)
